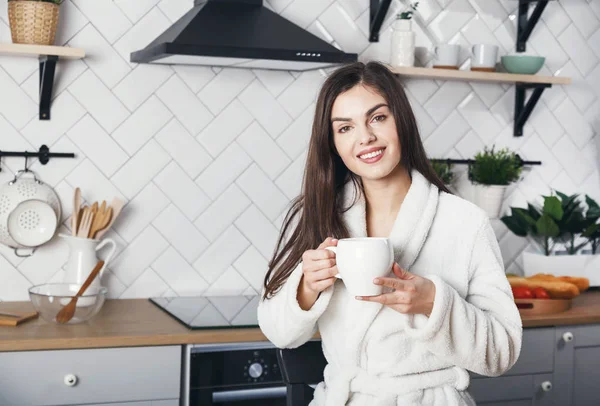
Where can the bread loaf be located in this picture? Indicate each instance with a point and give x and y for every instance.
(582, 284)
(557, 289)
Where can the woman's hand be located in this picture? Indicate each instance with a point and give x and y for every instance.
(412, 294)
(318, 273)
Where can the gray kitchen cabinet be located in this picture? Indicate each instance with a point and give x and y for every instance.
(577, 365)
(142, 376)
(558, 366)
(528, 382)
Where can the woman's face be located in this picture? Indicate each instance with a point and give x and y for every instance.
(364, 133)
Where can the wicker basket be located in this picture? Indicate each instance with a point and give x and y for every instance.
(33, 22)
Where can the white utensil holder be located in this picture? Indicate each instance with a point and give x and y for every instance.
(83, 259)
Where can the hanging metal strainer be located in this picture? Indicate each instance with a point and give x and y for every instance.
(24, 186)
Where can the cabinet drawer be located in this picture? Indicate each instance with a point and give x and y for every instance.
(506, 389)
(38, 378)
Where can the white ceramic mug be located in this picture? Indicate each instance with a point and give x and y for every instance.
(484, 56)
(446, 55)
(360, 260)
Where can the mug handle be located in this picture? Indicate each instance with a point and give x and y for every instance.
(333, 249)
(473, 50)
(110, 253)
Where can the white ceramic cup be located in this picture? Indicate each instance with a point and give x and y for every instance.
(360, 260)
(446, 55)
(484, 56)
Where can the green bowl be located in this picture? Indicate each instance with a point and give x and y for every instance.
(523, 64)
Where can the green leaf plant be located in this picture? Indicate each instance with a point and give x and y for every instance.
(560, 220)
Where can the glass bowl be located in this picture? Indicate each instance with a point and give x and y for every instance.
(50, 298)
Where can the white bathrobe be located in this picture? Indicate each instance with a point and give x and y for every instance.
(379, 357)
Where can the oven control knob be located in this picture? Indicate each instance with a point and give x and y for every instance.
(255, 370)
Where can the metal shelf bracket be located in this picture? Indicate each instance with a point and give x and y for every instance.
(523, 109)
(524, 24)
(47, 69)
(379, 9)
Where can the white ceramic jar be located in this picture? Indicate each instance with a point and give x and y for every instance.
(402, 50)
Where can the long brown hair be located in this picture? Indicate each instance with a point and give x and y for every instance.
(319, 205)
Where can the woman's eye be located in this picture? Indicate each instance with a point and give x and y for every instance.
(379, 118)
(344, 129)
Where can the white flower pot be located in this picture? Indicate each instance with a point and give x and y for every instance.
(489, 198)
(578, 265)
(402, 50)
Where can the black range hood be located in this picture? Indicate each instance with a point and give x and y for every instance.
(241, 34)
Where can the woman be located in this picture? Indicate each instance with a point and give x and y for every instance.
(448, 308)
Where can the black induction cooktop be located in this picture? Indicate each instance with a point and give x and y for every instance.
(211, 312)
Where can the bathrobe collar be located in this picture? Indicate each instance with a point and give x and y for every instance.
(412, 223)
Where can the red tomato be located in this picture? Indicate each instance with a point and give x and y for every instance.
(522, 292)
(541, 293)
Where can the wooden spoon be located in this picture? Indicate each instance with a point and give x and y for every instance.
(100, 220)
(66, 313)
(116, 205)
(86, 223)
(75, 215)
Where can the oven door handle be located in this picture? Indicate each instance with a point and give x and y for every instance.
(249, 394)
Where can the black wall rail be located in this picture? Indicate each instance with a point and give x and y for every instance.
(472, 161)
(43, 155)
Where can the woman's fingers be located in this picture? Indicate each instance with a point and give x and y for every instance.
(315, 255)
(324, 284)
(313, 266)
(322, 274)
(393, 283)
(329, 241)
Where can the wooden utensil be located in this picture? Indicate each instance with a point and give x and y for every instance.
(116, 205)
(86, 223)
(9, 314)
(76, 211)
(66, 313)
(101, 220)
(10, 320)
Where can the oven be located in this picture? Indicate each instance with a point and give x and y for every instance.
(237, 374)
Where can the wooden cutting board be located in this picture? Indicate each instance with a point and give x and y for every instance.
(10, 321)
(535, 307)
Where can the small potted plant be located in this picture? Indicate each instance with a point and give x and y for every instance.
(444, 172)
(491, 174)
(33, 21)
(403, 38)
(559, 230)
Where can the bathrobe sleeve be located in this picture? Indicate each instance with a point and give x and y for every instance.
(283, 321)
(483, 332)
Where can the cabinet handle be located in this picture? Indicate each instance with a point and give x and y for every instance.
(546, 386)
(70, 380)
(568, 337)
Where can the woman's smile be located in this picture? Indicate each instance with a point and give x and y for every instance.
(371, 155)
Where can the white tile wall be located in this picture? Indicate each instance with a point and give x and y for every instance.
(208, 159)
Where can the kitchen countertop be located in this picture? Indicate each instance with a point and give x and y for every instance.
(137, 322)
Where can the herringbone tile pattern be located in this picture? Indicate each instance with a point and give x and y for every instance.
(208, 158)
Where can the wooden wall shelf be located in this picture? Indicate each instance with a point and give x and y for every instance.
(47, 55)
(472, 76)
(523, 109)
(41, 50)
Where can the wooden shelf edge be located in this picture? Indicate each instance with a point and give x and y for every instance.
(494, 77)
(40, 50)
